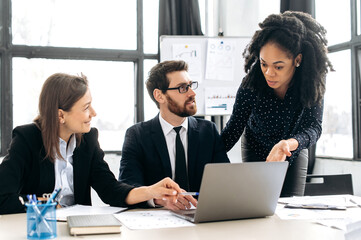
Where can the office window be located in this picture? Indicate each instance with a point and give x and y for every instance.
(150, 19)
(82, 23)
(338, 28)
(358, 9)
(150, 108)
(99, 38)
(336, 139)
(112, 91)
(341, 136)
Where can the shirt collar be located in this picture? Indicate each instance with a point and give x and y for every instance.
(167, 127)
(69, 147)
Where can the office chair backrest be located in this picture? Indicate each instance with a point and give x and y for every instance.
(331, 185)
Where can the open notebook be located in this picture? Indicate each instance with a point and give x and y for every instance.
(237, 190)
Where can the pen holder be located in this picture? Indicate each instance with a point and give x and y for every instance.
(41, 221)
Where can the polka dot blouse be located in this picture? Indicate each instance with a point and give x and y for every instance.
(268, 119)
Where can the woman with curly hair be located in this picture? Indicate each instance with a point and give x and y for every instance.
(279, 105)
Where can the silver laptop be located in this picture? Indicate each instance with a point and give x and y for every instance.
(237, 190)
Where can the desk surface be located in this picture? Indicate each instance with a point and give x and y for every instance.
(14, 227)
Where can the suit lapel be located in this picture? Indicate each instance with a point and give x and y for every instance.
(80, 168)
(193, 142)
(160, 145)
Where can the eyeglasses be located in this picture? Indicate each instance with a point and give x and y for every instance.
(184, 87)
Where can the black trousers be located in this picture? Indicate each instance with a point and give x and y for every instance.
(295, 181)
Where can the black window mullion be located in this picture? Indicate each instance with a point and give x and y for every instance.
(355, 91)
(139, 66)
(6, 75)
(355, 88)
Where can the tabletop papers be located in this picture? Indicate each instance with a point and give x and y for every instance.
(78, 209)
(151, 219)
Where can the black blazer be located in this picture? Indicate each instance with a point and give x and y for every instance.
(25, 171)
(145, 158)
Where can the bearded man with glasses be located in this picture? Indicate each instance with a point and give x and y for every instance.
(173, 144)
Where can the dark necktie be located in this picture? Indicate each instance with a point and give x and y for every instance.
(180, 162)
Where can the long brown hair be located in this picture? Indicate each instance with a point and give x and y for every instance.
(60, 91)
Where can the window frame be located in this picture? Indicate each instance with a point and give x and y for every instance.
(8, 51)
(354, 45)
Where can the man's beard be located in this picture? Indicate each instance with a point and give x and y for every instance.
(182, 111)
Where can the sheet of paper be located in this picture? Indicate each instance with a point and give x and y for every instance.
(62, 213)
(353, 231)
(336, 200)
(220, 100)
(332, 218)
(191, 54)
(151, 220)
(220, 61)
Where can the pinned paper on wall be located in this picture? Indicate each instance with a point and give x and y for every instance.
(196, 49)
(220, 60)
(219, 101)
(191, 54)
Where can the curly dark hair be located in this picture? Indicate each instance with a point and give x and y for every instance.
(295, 33)
(158, 76)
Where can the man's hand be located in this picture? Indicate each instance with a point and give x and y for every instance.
(182, 203)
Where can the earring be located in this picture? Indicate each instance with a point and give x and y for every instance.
(297, 64)
(62, 121)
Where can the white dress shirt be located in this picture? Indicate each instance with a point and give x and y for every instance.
(170, 135)
(64, 171)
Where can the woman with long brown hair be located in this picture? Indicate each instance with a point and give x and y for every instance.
(61, 150)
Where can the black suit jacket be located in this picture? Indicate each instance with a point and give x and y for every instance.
(25, 171)
(145, 159)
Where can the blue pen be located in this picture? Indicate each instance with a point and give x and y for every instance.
(53, 195)
(30, 198)
(35, 200)
(189, 193)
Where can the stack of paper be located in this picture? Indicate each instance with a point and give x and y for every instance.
(63, 213)
(324, 216)
(353, 231)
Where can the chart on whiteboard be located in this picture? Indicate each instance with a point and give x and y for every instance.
(190, 53)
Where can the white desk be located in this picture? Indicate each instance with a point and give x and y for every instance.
(14, 227)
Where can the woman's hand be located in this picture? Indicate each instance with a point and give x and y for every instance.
(282, 150)
(165, 189)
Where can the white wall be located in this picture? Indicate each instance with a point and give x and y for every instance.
(240, 17)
